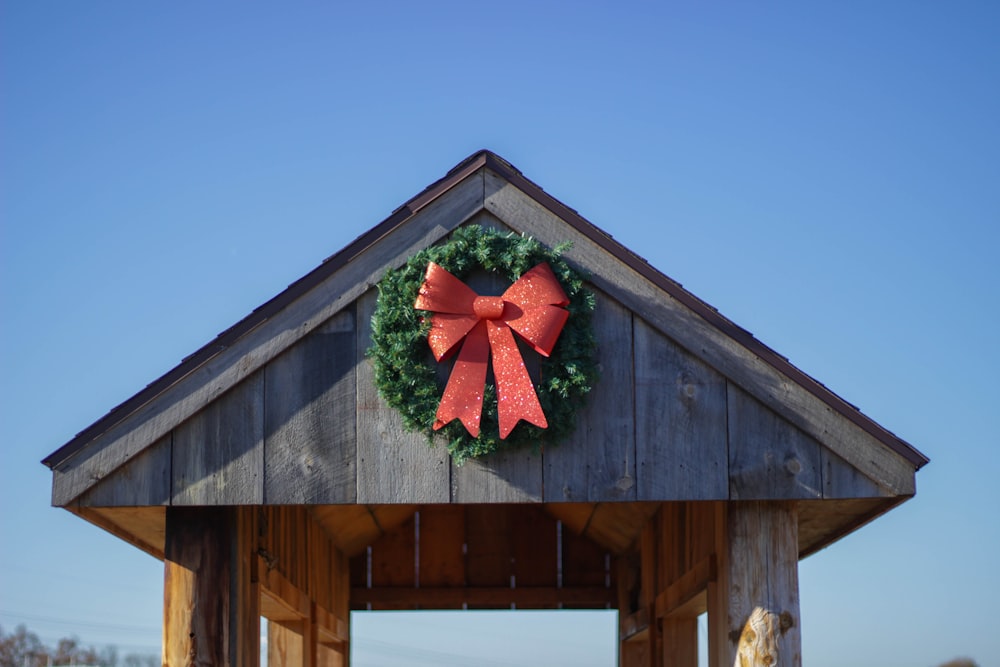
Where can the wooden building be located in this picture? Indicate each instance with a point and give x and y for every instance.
(272, 480)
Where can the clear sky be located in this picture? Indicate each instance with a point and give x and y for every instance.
(826, 174)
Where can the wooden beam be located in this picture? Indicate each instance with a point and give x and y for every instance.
(685, 598)
(210, 611)
(762, 611)
(487, 596)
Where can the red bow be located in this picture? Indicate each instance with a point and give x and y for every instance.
(531, 307)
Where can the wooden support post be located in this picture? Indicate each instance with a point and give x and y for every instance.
(210, 609)
(648, 572)
(680, 642)
(760, 588)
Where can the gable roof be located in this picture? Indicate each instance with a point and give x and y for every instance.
(749, 347)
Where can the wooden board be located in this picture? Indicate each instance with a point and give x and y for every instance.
(680, 422)
(231, 365)
(488, 558)
(442, 546)
(218, 454)
(309, 419)
(598, 462)
(708, 342)
(394, 465)
(143, 481)
(534, 552)
(768, 457)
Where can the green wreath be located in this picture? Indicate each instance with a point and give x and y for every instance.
(407, 376)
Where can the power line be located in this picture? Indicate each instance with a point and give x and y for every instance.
(76, 623)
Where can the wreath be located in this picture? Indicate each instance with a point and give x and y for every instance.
(407, 375)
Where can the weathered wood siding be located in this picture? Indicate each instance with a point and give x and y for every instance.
(681, 412)
(310, 428)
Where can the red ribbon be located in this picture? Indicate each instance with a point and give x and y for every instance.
(532, 307)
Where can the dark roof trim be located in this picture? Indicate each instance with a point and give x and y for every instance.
(464, 169)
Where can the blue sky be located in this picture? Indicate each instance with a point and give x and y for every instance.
(826, 174)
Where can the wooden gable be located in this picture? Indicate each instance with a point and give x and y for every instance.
(282, 408)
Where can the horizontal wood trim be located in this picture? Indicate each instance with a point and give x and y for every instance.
(600, 597)
(634, 626)
(687, 596)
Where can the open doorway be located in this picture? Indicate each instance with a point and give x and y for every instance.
(492, 638)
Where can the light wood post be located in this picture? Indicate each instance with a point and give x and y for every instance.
(680, 642)
(210, 608)
(758, 596)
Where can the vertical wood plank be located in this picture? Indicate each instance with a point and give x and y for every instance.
(488, 557)
(394, 561)
(649, 586)
(584, 563)
(768, 457)
(680, 422)
(310, 418)
(218, 454)
(513, 476)
(246, 589)
(285, 645)
(842, 480)
(142, 482)
(680, 642)
(598, 462)
(394, 466)
(533, 550)
(442, 546)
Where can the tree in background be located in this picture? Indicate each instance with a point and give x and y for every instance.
(23, 648)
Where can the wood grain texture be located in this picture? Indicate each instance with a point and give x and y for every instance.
(598, 462)
(218, 454)
(247, 355)
(442, 546)
(841, 480)
(768, 457)
(680, 422)
(209, 601)
(762, 564)
(394, 465)
(707, 342)
(143, 481)
(512, 476)
(310, 418)
(680, 642)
